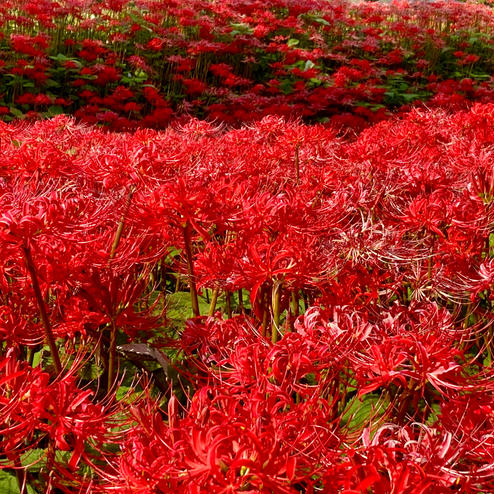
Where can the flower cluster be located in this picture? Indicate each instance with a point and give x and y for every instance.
(340, 292)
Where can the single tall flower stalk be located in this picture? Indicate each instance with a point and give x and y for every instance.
(214, 299)
(49, 336)
(112, 353)
(275, 304)
(190, 270)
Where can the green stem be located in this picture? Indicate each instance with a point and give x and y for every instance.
(21, 475)
(190, 270)
(112, 352)
(293, 307)
(228, 299)
(263, 297)
(467, 315)
(294, 303)
(112, 355)
(49, 336)
(214, 298)
(241, 301)
(50, 460)
(275, 304)
(121, 224)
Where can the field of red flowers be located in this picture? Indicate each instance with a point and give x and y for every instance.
(246, 302)
(147, 62)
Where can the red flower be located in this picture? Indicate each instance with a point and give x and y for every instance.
(155, 44)
(132, 107)
(194, 86)
(106, 75)
(42, 99)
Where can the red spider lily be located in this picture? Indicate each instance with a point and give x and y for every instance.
(469, 419)
(405, 460)
(414, 353)
(367, 258)
(35, 410)
(408, 38)
(223, 445)
(33, 46)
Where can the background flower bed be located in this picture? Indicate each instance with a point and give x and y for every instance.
(358, 360)
(143, 64)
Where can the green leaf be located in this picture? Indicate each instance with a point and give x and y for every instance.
(180, 307)
(286, 86)
(138, 20)
(480, 77)
(410, 97)
(91, 372)
(54, 110)
(322, 21)
(299, 64)
(60, 57)
(240, 28)
(434, 415)
(16, 112)
(133, 80)
(372, 106)
(360, 411)
(34, 459)
(8, 483)
(315, 81)
(292, 42)
(51, 83)
(491, 244)
(121, 392)
(39, 355)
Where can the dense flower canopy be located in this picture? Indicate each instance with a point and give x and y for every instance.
(348, 340)
(246, 247)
